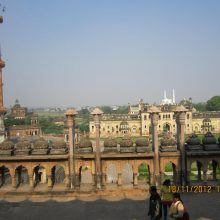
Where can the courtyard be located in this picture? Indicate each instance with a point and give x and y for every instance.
(203, 206)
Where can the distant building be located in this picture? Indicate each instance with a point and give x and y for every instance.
(167, 101)
(138, 123)
(18, 112)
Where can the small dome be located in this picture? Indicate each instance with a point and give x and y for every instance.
(126, 142)
(209, 138)
(168, 140)
(193, 140)
(142, 142)
(110, 143)
(58, 144)
(6, 145)
(85, 143)
(23, 144)
(41, 144)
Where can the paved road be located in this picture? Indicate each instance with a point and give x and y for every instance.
(200, 206)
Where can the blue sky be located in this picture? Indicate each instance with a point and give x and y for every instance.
(96, 52)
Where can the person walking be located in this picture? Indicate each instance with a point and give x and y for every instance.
(177, 210)
(166, 197)
(155, 210)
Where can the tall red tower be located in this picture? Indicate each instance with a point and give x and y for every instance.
(2, 65)
(2, 108)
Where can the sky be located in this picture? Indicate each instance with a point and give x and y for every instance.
(109, 52)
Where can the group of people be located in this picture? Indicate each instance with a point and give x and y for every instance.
(168, 203)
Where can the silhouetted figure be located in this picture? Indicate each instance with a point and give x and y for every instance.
(166, 197)
(155, 210)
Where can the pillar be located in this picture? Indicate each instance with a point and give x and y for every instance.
(214, 165)
(103, 179)
(13, 181)
(119, 179)
(77, 181)
(205, 175)
(31, 181)
(93, 179)
(154, 122)
(135, 179)
(49, 181)
(180, 113)
(70, 116)
(199, 167)
(97, 113)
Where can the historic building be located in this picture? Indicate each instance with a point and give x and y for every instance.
(18, 112)
(137, 121)
(38, 166)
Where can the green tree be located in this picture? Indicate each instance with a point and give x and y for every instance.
(213, 104)
(201, 106)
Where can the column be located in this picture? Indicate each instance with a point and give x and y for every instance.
(180, 113)
(119, 179)
(103, 179)
(154, 122)
(135, 179)
(70, 115)
(93, 179)
(49, 181)
(97, 113)
(199, 167)
(77, 181)
(214, 165)
(13, 181)
(31, 182)
(205, 175)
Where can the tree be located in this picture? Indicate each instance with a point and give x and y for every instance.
(201, 106)
(213, 104)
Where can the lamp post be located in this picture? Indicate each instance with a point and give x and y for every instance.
(97, 114)
(70, 116)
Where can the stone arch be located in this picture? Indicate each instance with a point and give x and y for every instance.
(196, 171)
(213, 172)
(196, 128)
(166, 127)
(58, 174)
(40, 175)
(21, 175)
(85, 174)
(143, 173)
(127, 174)
(5, 176)
(170, 172)
(111, 173)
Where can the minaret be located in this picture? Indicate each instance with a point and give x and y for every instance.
(174, 101)
(165, 94)
(2, 108)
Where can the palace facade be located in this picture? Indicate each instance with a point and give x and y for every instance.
(137, 121)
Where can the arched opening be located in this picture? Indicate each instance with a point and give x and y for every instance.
(58, 175)
(143, 174)
(170, 172)
(5, 177)
(166, 127)
(40, 175)
(21, 175)
(111, 173)
(196, 172)
(85, 175)
(127, 174)
(213, 172)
